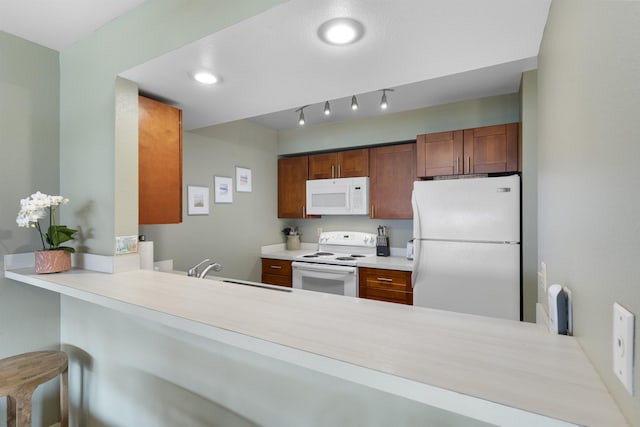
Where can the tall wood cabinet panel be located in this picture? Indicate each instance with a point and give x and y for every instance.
(159, 163)
(343, 164)
(292, 187)
(392, 171)
(489, 149)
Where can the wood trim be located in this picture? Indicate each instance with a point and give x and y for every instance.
(513, 147)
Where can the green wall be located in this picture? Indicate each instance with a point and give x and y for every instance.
(29, 97)
(529, 132)
(231, 234)
(88, 72)
(401, 126)
(589, 181)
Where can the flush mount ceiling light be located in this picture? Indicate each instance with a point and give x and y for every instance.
(340, 31)
(205, 77)
(383, 102)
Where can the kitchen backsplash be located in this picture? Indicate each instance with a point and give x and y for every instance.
(399, 231)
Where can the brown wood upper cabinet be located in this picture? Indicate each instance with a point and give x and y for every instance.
(292, 187)
(392, 170)
(159, 163)
(481, 150)
(343, 164)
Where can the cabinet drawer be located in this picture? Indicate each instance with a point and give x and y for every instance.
(276, 266)
(387, 295)
(276, 279)
(385, 285)
(386, 279)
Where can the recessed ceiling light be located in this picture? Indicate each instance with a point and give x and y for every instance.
(341, 31)
(206, 78)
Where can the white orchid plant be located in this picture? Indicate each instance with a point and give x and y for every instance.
(36, 207)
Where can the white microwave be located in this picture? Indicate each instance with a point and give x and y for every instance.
(339, 196)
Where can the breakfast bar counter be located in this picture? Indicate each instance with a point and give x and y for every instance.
(495, 371)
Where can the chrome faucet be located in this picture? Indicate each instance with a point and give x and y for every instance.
(193, 271)
(213, 266)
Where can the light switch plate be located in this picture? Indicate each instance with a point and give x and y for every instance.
(542, 277)
(623, 345)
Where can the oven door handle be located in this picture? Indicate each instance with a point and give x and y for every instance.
(325, 268)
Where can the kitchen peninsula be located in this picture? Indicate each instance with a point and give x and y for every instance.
(494, 371)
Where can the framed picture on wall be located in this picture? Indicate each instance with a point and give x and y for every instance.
(243, 180)
(223, 189)
(198, 200)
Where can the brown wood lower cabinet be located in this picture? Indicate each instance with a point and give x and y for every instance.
(276, 272)
(385, 285)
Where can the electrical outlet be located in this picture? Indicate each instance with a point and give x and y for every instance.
(623, 345)
(318, 231)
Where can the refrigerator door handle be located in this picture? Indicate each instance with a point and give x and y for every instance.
(416, 261)
(416, 242)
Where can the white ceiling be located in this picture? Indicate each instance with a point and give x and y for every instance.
(57, 24)
(430, 51)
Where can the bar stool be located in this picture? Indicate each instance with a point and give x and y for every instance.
(19, 377)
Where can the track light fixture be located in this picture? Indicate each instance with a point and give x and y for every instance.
(301, 118)
(383, 102)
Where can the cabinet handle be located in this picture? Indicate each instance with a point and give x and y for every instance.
(333, 175)
(372, 216)
(457, 165)
(384, 279)
(277, 267)
(468, 164)
(339, 174)
(303, 213)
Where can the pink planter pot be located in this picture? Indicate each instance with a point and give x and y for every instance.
(52, 261)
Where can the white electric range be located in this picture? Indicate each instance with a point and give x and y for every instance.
(332, 268)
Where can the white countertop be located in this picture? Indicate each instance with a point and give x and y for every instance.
(278, 251)
(493, 370)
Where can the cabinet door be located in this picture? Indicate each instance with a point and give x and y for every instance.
(491, 149)
(323, 166)
(353, 163)
(385, 285)
(292, 181)
(393, 171)
(439, 154)
(159, 163)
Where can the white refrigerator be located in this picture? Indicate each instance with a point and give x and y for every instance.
(467, 245)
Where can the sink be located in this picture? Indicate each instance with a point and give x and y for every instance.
(256, 285)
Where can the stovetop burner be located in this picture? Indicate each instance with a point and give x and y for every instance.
(341, 248)
(317, 254)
